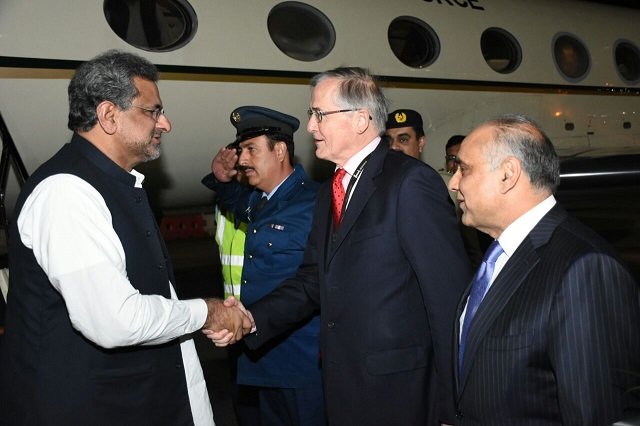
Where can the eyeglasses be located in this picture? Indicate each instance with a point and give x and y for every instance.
(450, 157)
(155, 112)
(319, 114)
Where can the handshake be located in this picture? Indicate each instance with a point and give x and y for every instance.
(227, 321)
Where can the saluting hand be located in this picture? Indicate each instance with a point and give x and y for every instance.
(224, 163)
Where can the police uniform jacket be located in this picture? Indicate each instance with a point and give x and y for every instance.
(274, 248)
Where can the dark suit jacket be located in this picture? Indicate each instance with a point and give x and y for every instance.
(387, 283)
(556, 336)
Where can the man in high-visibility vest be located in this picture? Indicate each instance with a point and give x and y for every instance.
(230, 236)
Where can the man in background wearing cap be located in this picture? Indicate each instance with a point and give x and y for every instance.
(282, 379)
(405, 132)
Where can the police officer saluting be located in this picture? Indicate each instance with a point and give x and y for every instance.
(281, 383)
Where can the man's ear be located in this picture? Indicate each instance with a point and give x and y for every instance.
(281, 150)
(363, 121)
(511, 172)
(107, 113)
(422, 141)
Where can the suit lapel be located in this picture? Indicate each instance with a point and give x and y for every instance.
(324, 218)
(512, 276)
(361, 195)
(505, 285)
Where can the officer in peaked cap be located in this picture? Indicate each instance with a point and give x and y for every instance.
(283, 379)
(252, 121)
(405, 133)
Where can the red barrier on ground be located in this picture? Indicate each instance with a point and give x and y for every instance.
(181, 227)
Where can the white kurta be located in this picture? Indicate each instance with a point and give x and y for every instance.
(67, 224)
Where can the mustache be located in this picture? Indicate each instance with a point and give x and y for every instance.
(242, 168)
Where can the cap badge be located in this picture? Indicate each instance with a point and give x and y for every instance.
(236, 116)
(401, 117)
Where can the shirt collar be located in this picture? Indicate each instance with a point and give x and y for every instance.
(139, 178)
(273, 191)
(515, 233)
(352, 163)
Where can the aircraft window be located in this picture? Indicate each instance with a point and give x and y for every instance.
(501, 50)
(571, 57)
(628, 61)
(153, 25)
(301, 31)
(413, 42)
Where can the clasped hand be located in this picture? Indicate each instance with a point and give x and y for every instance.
(227, 322)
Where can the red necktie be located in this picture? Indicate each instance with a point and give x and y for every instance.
(338, 195)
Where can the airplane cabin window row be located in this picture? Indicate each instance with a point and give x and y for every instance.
(304, 33)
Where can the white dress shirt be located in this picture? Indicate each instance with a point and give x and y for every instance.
(512, 237)
(514, 234)
(352, 165)
(67, 224)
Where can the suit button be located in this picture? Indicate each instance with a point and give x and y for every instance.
(459, 414)
(250, 256)
(244, 281)
(269, 244)
(331, 324)
(255, 230)
(148, 233)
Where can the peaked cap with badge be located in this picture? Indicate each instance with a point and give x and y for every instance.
(251, 121)
(404, 118)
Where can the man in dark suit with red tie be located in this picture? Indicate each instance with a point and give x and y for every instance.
(386, 272)
(549, 330)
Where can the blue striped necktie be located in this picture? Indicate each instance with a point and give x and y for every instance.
(479, 288)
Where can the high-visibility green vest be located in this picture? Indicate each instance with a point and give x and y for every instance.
(231, 247)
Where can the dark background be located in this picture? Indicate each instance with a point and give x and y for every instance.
(635, 4)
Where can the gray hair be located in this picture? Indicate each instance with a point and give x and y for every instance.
(107, 77)
(519, 136)
(358, 90)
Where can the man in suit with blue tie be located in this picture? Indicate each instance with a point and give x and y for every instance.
(549, 329)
